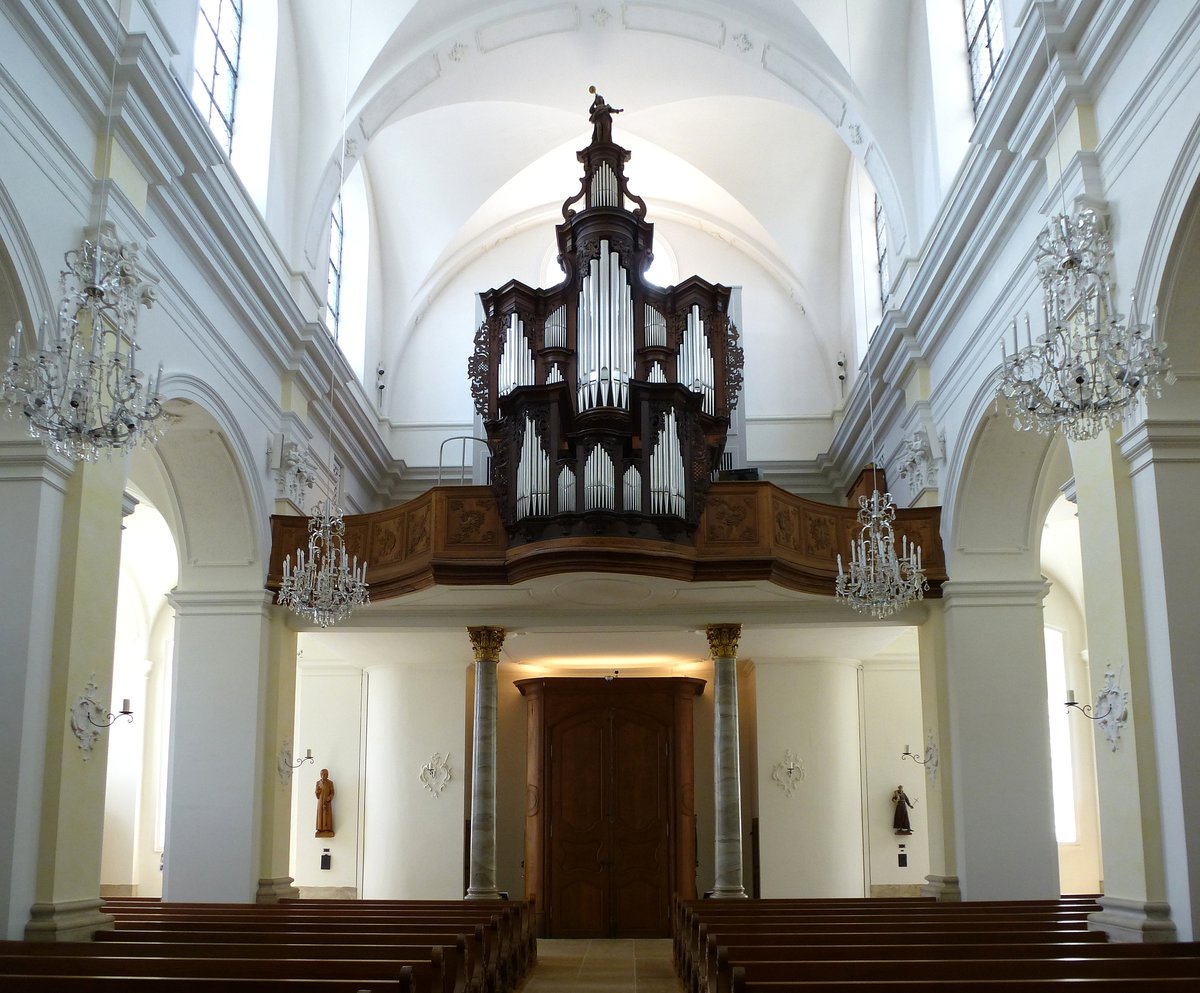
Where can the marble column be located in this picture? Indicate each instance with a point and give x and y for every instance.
(727, 792)
(486, 643)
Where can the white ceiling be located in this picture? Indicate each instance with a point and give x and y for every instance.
(469, 113)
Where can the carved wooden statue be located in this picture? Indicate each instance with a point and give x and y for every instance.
(324, 795)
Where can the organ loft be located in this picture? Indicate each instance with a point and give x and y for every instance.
(606, 399)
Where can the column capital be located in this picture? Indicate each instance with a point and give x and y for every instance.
(486, 643)
(1150, 442)
(723, 640)
(994, 593)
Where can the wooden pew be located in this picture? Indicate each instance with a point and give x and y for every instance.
(945, 930)
(480, 973)
(966, 970)
(502, 951)
(206, 966)
(1155, 984)
(118, 983)
(434, 969)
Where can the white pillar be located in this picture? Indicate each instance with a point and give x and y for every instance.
(1000, 740)
(486, 643)
(727, 784)
(1134, 899)
(32, 487)
(218, 701)
(942, 880)
(1164, 463)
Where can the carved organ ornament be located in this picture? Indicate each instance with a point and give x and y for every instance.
(606, 399)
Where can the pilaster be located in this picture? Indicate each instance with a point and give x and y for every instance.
(278, 726)
(214, 779)
(33, 483)
(85, 617)
(1164, 468)
(942, 881)
(1126, 772)
(1000, 740)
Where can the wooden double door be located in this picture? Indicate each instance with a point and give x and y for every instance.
(610, 825)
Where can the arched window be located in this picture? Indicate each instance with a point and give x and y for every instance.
(349, 264)
(985, 46)
(333, 293)
(881, 253)
(217, 59)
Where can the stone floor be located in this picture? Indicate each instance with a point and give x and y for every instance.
(603, 965)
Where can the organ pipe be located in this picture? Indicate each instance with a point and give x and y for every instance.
(598, 449)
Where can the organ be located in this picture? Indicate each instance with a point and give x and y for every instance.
(606, 399)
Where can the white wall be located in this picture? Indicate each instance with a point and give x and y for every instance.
(811, 842)
(412, 839)
(892, 713)
(329, 721)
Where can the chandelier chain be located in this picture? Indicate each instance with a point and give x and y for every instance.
(327, 584)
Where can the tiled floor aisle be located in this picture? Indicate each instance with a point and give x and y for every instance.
(599, 965)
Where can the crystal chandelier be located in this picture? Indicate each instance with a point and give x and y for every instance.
(81, 390)
(880, 582)
(326, 586)
(1084, 374)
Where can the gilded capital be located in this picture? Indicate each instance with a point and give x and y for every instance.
(486, 643)
(723, 640)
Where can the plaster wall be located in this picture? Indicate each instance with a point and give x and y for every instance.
(412, 838)
(811, 842)
(329, 720)
(892, 719)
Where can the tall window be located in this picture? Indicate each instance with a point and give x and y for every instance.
(985, 46)
(1062, 770)
(881, 252)
(333, 293)
(217, 53)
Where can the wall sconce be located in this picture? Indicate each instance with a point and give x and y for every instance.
(930, 760)
(88, 717)
(111, 718)
(1115, 703)
(284, 764)
(789, 773)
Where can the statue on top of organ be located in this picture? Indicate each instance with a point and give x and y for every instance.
(606, 399)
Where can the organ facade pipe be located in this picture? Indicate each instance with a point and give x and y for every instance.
(606, 399)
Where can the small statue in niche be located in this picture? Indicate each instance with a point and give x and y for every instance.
(601, 117)
(324, 795)
(903, 804)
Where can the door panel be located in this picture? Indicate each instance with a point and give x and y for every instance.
(612, 761)
(640, 862)
(579, 827)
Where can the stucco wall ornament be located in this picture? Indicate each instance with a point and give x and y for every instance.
(435, 774)
(295, 473)
(919, 458)
(789, 773)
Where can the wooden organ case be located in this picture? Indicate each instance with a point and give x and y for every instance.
(606, 399)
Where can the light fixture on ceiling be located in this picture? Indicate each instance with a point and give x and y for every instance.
(77, 383)
(1085, 373)
(879, 582)
(326, 586)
